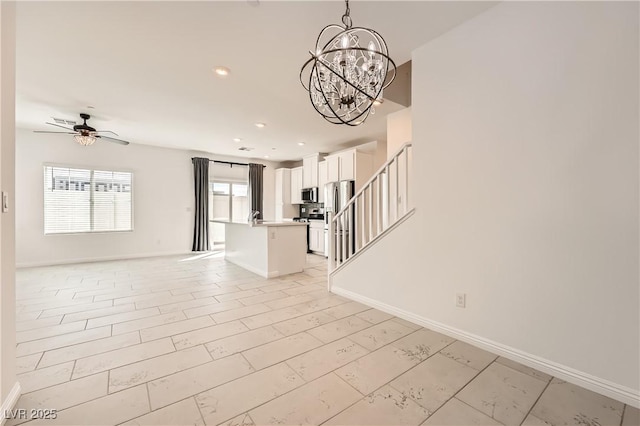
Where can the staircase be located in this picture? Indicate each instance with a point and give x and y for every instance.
(377, 208)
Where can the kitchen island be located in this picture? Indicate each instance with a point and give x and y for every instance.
(269, 249)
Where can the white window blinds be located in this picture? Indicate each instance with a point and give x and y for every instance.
(82, 200)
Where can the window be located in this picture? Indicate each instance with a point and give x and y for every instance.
(228, 201)
(82, 200)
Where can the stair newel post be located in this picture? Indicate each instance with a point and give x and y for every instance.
(406, 179)
(387, 204)
(361, 230)
(378, 204)
(344, 254)
(396, 200)
(338, 237)
(370, 212)
(331, 235)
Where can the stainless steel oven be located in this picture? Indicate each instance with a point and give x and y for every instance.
(310, 195)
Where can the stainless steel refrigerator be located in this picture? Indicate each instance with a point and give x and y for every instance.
(336, 196)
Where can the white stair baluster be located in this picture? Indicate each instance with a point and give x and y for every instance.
(350, 230)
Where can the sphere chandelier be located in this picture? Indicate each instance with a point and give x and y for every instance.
(347, 72)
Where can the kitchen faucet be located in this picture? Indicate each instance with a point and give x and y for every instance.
(254, 216)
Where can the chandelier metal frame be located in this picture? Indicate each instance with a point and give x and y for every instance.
(338, 98)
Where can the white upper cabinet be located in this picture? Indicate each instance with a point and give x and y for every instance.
(284, 208)
(333, 168)
(350, 164)
(296, 185)
(283, 186)
(310, 170)
(322, 180)
(347, 160)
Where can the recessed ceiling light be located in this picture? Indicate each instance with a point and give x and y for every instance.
(260, 125)
(266, 156)
(237, 139)
(273, 149)
(222, 71)
(301, 143)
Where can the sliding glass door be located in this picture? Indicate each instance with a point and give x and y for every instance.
(228, 202)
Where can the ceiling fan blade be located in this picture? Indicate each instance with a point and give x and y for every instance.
(106, 131)
(120, 141)
(57, 125)
(47, 131)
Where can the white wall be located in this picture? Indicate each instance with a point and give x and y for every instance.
(399, 130)
(526, 179)
(380, 155)
(9, 390)
(162, 193)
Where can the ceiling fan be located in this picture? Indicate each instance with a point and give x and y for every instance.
(85, 134)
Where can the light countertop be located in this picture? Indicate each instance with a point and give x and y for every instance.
(262, 224)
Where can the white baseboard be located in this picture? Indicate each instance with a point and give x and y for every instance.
(10, 402)
(612, 390)
(101, 259)
(250, 268)
(267, 274)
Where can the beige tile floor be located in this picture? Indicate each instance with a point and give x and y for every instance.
(196, 340)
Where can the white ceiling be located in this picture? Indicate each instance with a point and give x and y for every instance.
(146, 67)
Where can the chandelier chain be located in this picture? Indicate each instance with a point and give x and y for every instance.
(346, 18)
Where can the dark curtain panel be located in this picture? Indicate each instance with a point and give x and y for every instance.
(201, 184)
(255, 188)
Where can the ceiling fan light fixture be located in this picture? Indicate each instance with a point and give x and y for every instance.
(348, 70)
(84, 140)
(83, 133)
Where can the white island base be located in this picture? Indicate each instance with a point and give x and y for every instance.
(269, 249)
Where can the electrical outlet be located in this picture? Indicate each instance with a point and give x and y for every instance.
(5, 202)
(461, 300)
(273, 234)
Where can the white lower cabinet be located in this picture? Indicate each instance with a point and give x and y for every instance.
(316, 236)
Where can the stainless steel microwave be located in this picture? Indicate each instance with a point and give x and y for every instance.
(310, 195)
